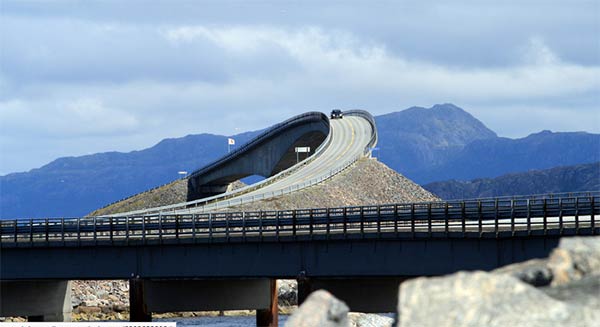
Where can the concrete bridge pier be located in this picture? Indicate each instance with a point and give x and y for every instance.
(176, 295)
(38, 300)
(370, 295)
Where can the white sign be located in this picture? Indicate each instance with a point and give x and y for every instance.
(303, 149)
(230, 141)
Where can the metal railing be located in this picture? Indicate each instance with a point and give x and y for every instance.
(499, 218)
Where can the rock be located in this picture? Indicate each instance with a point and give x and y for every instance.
(575, 258)
(358, 319)
(484, 299)
(534, 272)
(320, 309)
(287, 292)
(584, 292)
(120, 308)
(88, 310)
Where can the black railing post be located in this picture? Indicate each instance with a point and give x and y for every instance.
(210, 230)
(95, 234)
(127, 230)
(560, 216)
(345, 220)
(577, 216)
(62, 231)
(277, 225)
(47, 231)
(429, 222)
(31, 232)
(328, 224)
(227, 227)
(194, 217)
(528, 217)
(463, 214)
(310, 223)
(412, 219)
(378, 221)
(446, 219)
(593, 215)
(243, 226)
(545, 218)
(78, 231)
(143, 229)
(362, 223)
(396, 220)
(512, 217)
(496, 218)
(480, 217)
(160, 229)
(260, 225)
(110, 223)
(177, 227)
(294, 224)
(16, 230)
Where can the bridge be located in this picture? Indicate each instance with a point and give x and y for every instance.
(189, 262)
(190, 257)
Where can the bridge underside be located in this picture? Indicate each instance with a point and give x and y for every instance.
(265, 159)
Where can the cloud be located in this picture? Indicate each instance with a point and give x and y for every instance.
(126, 84)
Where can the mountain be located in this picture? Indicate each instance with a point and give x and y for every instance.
(555, 180)
(426, 145)
(415, 140)
(73, 186)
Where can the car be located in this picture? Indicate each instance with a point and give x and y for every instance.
(336, 114)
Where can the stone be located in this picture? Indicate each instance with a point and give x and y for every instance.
(120, 308)
(534, 272)
(358, 319)
(88, 310)
(320, 309)
(484, 299)
(575, 258)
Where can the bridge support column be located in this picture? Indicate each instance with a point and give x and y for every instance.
(37, 300)
(270, 316)
(138, 309)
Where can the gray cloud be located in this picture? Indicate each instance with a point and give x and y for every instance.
(78, 78)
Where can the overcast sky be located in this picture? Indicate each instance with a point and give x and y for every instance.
(79, 77)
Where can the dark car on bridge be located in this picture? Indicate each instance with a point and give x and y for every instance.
(336, 114)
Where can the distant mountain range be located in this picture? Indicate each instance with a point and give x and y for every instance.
(440, 143)
(554, 180)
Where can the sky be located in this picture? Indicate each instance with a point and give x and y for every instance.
(80, 77)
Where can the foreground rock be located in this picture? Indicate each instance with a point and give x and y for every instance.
(320, 309)
(508, 296)
(574, 259)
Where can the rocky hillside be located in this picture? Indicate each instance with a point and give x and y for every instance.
(556, 180)
(368, 182)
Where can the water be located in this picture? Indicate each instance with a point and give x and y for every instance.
(221, 321)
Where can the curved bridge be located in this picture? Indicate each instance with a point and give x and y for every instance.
(338, 142)
(266, 155)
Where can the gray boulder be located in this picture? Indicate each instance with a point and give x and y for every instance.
(575, 258)
(320, 309)
(484, 299)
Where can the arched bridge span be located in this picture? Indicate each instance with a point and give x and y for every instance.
(268, 154)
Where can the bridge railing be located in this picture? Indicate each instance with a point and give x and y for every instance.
(499, 218)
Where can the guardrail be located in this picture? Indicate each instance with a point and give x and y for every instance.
(366, 115)
(499, 218)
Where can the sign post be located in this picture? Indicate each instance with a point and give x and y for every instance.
(301, 149)
(230, 142)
